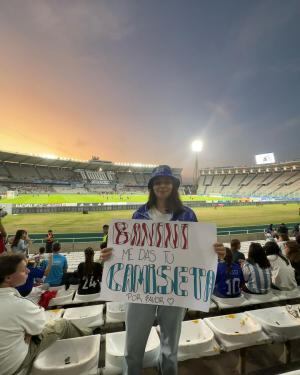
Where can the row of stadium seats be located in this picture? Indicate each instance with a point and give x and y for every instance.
(252, 184)
(74, 258)
(21, 177)
(200, 338)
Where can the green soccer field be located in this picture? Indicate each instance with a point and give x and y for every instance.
(223, 216)
(94, 198)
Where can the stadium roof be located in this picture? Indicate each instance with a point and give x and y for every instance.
(258, 168)
(13, 157)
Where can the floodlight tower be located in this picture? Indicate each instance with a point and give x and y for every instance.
(197, 146)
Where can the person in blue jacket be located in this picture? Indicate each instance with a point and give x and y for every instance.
(229, 280)
(163, 204)
(34, 273)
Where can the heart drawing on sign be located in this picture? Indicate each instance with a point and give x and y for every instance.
(170, 301)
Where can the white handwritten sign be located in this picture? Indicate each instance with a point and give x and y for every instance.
(163, 263)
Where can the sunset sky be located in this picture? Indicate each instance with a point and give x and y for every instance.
(137, 81)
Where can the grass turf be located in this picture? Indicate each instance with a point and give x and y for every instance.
(94, 198)
(69, 222)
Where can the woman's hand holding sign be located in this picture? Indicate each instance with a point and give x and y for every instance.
(105, 254)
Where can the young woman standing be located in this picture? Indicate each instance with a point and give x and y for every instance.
(163, 204)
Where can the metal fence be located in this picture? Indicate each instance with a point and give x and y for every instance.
(97, 237)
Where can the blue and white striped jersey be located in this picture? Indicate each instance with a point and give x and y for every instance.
(257, 279)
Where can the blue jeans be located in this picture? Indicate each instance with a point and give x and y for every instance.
(139, 321)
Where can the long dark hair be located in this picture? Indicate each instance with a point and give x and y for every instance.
(293, 251)
(257, 255)
(271, 248)
(89, 261)
(19, 234)
(173, 204)
(284, 236)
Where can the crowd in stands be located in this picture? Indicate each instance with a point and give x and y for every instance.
(24, 330)
(275, 265)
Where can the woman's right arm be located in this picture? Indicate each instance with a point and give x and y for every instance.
(105, 254)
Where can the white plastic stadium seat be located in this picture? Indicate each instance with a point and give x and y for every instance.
(69, 357)
(115, 346)
(85, 316)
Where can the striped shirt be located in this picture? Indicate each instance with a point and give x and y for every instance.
(258, 280)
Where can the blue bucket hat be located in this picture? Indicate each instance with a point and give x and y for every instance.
(163, 171)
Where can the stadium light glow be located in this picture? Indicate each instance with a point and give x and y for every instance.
(136, 165)
(49, 156)
(197, 145)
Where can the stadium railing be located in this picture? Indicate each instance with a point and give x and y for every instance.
(97, 237)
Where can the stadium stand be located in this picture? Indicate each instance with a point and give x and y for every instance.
(281, 180)
(27, 174)
(259, 325)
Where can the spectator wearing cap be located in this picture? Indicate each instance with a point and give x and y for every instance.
(163, 205)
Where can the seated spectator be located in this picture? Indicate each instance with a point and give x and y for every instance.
(21, 242)
(89, 274)
(105, 229)
(270, 238)
(58, 268)
(236, 254)
(24, 332)
(33, 273)
(40, 257)
(296, 230)
(229, 277)
(270, 229)
(49, 241)
(292, 251)
(282, 229)
(283, 274)
(282, 239)
(3, 236)
(257, 271)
